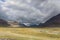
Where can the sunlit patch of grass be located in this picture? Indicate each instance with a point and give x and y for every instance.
(17, 38)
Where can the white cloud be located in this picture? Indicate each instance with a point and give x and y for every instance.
(29, 12)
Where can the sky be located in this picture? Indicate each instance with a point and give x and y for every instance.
(29, 12)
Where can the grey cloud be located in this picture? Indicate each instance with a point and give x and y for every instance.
(29, 12)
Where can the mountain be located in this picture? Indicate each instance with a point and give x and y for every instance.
(53, 22)
(3, 23)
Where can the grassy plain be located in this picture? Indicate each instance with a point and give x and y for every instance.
(30, 33)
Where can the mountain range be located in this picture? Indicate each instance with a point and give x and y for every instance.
(53, 22)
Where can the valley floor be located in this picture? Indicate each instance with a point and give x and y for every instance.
(30, 33)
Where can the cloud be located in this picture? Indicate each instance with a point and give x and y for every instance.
(29, 12)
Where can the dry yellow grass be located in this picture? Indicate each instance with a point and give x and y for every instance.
(30, 33)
